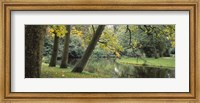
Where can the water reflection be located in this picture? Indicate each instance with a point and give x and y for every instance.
(116, 70)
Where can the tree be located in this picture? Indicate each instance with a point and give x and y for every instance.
(150, 31)
(56, 31)
(157, 39)
(54, 52)
(34, 35)
(109, 41)
(81, 64)
(66, 49)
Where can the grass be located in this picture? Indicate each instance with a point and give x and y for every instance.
(168, 62)
(56, 72)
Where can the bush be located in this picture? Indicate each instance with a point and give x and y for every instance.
(76, 48)
(99, 53)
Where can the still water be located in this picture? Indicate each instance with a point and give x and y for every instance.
(111, 68)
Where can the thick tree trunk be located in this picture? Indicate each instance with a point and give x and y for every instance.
(81, 64)
(54, 52)
(34, 36)
(66, 49)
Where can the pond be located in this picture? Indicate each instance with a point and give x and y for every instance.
(111, 69)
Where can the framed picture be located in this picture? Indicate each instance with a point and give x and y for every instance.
(100, 50)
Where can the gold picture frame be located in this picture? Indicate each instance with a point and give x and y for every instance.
(156, 5)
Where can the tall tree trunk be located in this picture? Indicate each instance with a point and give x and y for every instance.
(156, 54)
(34, 36)
(81, 64)
(66, 49)
(54, 52)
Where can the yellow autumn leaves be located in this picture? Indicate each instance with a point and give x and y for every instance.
(76, 32)
(60, 31)
(110, 43)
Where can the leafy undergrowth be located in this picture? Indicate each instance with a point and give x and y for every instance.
(168, 62)
(56, 72)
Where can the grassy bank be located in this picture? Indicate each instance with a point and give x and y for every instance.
(168, 62)
(56, 72)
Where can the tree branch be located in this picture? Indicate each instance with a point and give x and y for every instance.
(140, 27)
(93, 29)
(103, 42)
(130, 37)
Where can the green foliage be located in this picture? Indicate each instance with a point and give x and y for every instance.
(76, 49)
(151, 40)
(99, 53)
(170, 31)
(48, 46)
